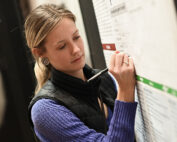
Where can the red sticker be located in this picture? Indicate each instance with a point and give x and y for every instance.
(109, 46)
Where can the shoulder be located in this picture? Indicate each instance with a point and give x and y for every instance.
(48, 114)
(45, 107)
(50, 119)
(44, 103)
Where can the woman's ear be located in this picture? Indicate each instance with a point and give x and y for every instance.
(37, 52)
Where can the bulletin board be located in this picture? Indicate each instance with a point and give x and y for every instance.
(146, 31)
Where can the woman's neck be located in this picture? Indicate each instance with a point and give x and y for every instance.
(78, 74)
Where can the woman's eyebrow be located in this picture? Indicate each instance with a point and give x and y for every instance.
(64, 40)
(76, 31)
(60, 41)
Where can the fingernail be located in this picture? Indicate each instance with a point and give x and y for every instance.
(117, 52)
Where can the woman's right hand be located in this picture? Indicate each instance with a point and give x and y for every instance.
(122, 68)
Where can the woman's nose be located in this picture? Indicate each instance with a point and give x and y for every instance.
(74, 48)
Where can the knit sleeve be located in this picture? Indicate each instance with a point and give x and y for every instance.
(53, 122)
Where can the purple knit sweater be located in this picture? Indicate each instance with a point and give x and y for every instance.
(55, 123)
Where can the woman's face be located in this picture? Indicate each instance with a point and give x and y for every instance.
(65, 48)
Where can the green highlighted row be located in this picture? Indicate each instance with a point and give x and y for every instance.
(158, 86)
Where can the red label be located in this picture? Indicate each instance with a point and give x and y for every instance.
(109, 46)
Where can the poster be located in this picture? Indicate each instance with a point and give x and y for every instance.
(146, 31)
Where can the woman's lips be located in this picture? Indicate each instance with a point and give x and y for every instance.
(77, 59)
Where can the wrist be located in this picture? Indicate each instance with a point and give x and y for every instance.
(126, 95)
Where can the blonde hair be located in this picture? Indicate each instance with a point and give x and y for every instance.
(38, 24)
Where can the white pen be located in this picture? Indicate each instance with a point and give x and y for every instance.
(97, 75)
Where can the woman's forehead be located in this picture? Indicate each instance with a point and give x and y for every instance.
(64, 29)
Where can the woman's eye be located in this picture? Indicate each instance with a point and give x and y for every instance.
(77, 37)
(61, 47)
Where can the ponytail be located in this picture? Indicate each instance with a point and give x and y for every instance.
(42, 74)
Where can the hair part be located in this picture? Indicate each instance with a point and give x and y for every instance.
(38, 25)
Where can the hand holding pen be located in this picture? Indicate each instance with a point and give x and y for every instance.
(122, 68)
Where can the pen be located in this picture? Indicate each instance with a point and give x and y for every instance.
(98, 74)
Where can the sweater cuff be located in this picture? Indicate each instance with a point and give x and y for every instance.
(125, 111)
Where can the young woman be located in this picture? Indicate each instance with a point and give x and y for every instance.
(65, 106)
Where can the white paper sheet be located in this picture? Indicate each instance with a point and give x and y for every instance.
(147, 31)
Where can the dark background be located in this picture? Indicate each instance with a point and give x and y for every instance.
(18, 77)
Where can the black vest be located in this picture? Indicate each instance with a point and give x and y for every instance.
(80, 97)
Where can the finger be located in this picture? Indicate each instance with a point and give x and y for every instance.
(131, 63)
(126, 60)
(119, 59)
(117, 52)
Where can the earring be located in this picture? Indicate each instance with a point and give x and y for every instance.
(45, 61)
